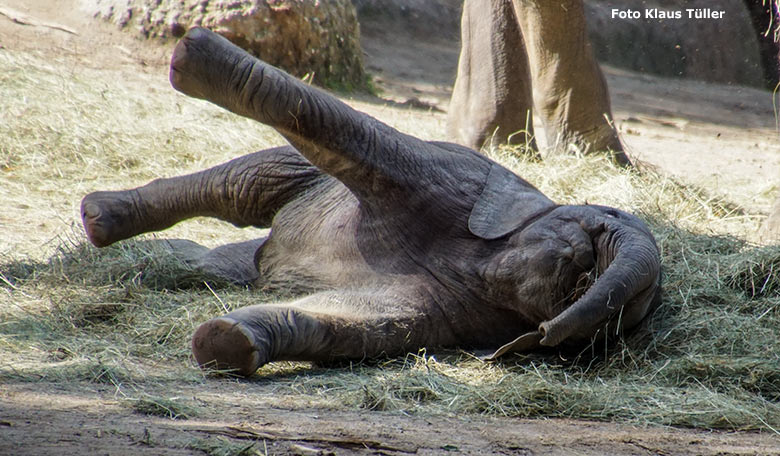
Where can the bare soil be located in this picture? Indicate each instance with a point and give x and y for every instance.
(51, 419)
(720, 137)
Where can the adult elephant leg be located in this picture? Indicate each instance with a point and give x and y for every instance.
(245, 191)
(570, 92)
(326, 326)
(491, 100)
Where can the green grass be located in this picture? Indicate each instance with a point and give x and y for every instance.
(121, 317)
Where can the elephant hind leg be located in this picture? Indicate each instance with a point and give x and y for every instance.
(246, 191)
(326, 326)
(231, 262)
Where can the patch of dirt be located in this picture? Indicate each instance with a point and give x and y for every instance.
(720, 137)
(61, 30)
(50, 419)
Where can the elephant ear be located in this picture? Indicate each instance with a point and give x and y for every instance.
(506, 203)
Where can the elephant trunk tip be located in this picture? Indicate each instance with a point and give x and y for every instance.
(550, 334)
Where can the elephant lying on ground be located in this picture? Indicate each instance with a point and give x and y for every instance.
(520, 54)
(402, 243)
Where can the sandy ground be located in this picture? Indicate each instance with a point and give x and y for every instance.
(721, 138)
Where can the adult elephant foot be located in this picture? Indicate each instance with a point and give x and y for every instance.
(601, 138)
(491, 100)
(570, 91)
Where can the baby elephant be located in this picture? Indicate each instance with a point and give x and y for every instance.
(400, 243)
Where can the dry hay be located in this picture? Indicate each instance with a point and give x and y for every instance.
(122, 317)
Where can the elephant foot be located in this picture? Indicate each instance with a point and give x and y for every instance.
(226, 345)
(108, 216)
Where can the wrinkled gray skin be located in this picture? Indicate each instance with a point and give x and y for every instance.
(517, 55)
(402, 243)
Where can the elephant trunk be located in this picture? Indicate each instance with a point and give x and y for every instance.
(633, 274)
(331, 135)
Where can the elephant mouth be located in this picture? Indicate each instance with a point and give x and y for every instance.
(572, 286)
(583, 283)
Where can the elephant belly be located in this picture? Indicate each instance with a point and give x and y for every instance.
(313, 244)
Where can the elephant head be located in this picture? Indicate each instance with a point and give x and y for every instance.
(627, 274)
(571, 267)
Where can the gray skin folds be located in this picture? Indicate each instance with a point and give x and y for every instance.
(398, 243)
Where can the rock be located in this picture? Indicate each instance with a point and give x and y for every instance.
(304, 37)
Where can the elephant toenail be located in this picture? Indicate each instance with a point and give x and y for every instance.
(91, 210)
